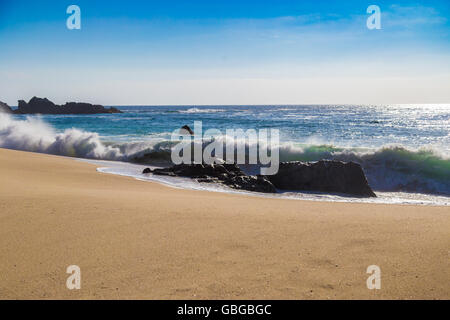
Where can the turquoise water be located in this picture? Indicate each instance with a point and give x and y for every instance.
(343, 126)
(401, 147)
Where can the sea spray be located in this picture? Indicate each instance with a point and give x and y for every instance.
(33, 134)
(389, 168)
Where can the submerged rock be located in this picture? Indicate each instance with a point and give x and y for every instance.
(323, 176)
(227, 174)
(5, 108)
(162, 157)
(186, 130)
(147, 170)
(45, 106)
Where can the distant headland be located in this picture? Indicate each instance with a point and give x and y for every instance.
(44, 106)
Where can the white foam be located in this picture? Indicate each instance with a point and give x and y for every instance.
(388, 168)
(32, 134)
(198, 110)
(135, 171)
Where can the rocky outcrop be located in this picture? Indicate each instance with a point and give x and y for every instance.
(323, 176)
(45, 106)
(227, 174)
(147, 170)
(5, 108)
(186, 130)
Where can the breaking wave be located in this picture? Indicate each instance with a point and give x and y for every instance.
(390, 168)
(200, 110)
(33, 134)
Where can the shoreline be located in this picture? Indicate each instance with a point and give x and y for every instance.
(141, 240)
(387, 165)
(397, 198)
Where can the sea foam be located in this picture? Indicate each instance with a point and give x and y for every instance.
(33, 134)
(389, 168)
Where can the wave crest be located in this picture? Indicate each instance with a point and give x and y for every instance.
(33, 134)
(390, 168)
(199, 110)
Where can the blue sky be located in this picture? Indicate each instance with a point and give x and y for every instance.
(226, 52)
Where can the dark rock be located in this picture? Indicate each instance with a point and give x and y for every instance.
(227, 174)
(5, 108)
(186, 130)
(324, 176)
(153, 157)
(45, 106)
(147, 170)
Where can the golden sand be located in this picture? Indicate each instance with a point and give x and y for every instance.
(142, 240)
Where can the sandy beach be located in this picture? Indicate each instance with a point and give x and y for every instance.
(142, 240)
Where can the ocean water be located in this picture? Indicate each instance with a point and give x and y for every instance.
(403, 149)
